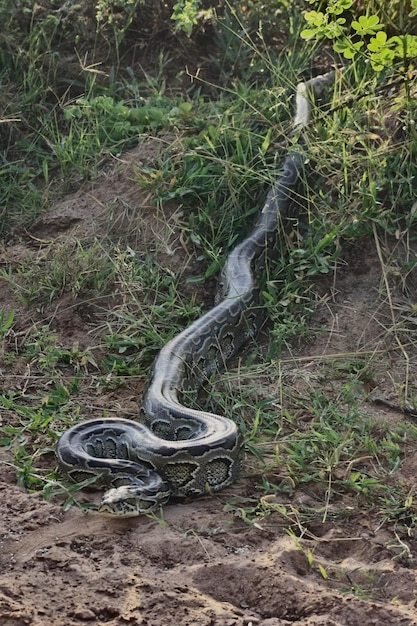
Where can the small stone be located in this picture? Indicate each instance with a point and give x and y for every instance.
(85, 615)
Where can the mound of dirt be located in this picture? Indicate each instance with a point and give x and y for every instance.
(199, 567)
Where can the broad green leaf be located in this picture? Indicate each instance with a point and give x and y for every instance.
(310, 33)
(367, 25)
(316, 18)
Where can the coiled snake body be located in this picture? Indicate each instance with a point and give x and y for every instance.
(182, 451)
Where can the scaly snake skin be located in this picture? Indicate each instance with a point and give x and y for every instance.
(182, 451)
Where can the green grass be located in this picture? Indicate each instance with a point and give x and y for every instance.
(308, 429)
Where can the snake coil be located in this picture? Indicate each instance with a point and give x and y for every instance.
(182, 451)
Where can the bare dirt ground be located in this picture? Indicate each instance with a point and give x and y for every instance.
(204, 565)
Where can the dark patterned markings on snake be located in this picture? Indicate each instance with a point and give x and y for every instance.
(182, 451)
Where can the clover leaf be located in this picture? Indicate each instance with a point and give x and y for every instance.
(367, 25)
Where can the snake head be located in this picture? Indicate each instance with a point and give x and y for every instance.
(132, 500)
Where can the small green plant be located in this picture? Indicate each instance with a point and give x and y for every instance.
(118, 15)
(365, 36)
(185, 15)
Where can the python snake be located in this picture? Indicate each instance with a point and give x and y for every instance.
(182, 451)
